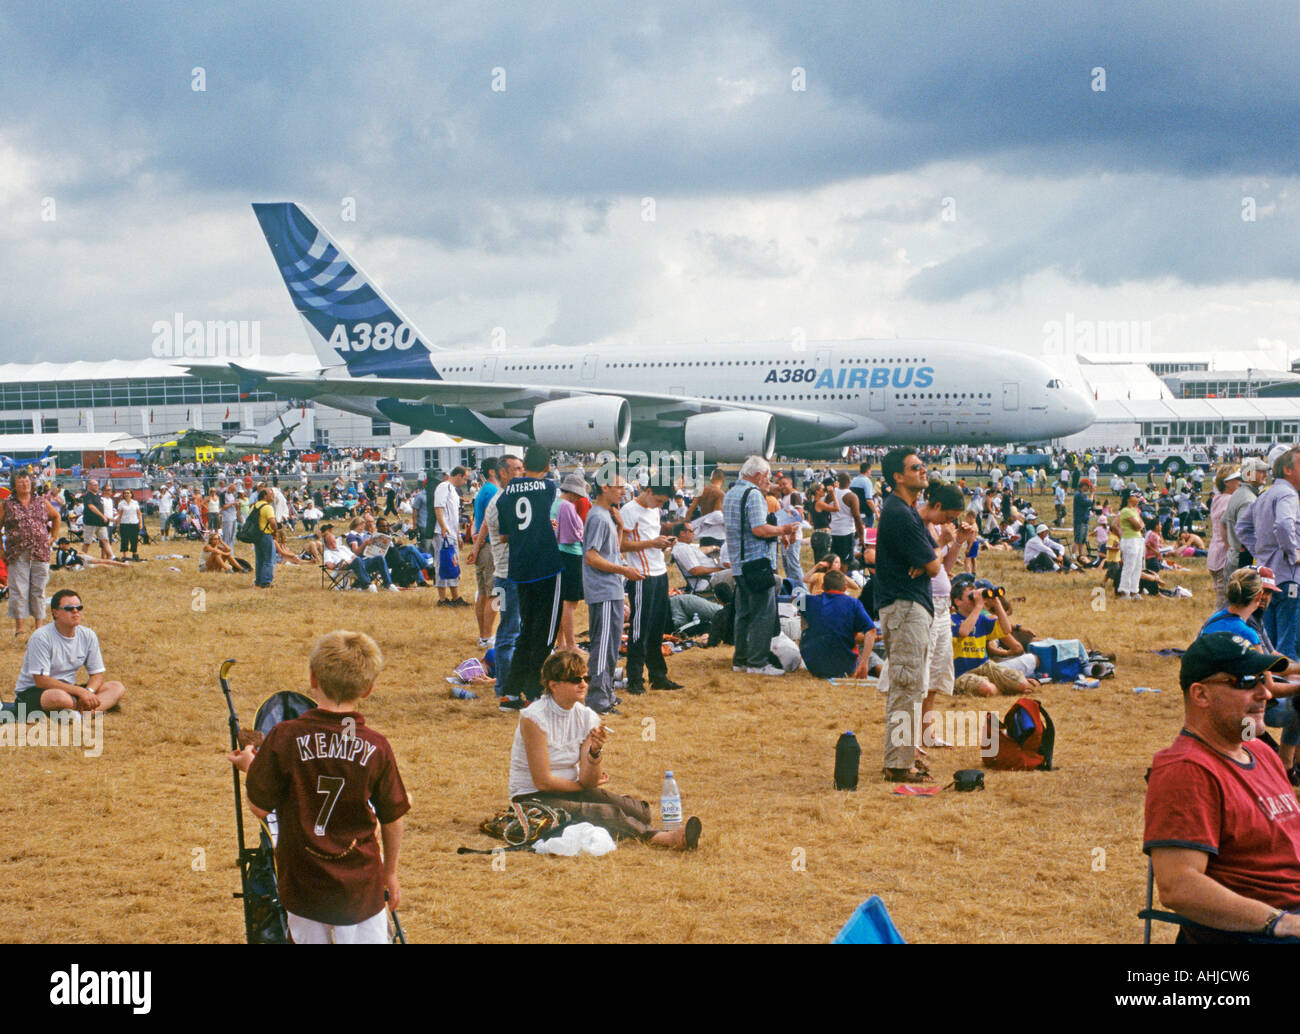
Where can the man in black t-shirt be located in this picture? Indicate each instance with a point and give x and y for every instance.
(1082, 517)
(905, 563)
(94, 524)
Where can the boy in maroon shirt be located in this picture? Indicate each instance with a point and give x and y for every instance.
(329, 778)
(1222, 821)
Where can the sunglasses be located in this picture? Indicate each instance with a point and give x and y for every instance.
(70, 610)
(1236, 681)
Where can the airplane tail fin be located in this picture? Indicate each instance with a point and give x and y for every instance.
(349, 319)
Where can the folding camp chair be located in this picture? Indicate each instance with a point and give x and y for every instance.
(340, 577)
(688, 582)
(1151, 913)
(869, 924)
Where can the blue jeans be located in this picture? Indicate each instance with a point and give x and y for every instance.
(264, 560)
(507, 598)
(1280, 618)
(364, 567)
(793, 565)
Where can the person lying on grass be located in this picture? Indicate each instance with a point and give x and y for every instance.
(66, 556)
(557, 757)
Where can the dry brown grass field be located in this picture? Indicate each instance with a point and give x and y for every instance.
(138, 845)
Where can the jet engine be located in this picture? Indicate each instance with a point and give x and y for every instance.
(731, 436)
(588, 423)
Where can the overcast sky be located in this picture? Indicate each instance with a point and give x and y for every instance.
(657, 172)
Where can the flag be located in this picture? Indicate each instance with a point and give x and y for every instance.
(227, 416)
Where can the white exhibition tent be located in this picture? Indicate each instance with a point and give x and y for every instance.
(438, 451)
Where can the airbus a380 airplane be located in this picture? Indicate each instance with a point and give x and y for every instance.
(727, 401)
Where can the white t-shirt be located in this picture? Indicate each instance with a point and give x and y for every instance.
(339, 556)
(447, 499)
(642, 524)
(688, 555)
(128, 512)
(51, 653)
(565, 733)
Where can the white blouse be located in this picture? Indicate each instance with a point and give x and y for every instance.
(565, 733)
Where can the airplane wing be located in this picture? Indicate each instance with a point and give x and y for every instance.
(495, 399)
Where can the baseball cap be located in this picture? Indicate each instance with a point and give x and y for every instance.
(1232, 475)
(1253, 465)
(1226, 652)
(1268, 578)
(1040, 529)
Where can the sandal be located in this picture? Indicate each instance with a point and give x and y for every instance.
(907, 775)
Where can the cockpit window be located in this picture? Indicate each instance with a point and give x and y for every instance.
(1055, 383)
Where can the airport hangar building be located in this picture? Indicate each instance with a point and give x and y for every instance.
(1245, 399)
(123, 406)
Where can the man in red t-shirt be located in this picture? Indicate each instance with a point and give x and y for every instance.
(1222, 821)
(329, 778)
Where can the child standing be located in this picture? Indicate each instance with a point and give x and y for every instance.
(329, 778)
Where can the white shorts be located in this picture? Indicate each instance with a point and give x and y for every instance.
(941, 673)
(370, 931)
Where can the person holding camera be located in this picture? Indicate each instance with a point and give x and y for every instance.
(972, 630)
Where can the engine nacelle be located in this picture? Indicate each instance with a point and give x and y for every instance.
(731, 436)
(589, 423)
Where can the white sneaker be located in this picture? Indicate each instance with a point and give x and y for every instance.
(372, 587)
(483, 644)
(394, 588)
(765, 670)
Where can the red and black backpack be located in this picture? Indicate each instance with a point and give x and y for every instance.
(1025, 738)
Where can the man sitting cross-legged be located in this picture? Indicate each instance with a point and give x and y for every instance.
(55, 654)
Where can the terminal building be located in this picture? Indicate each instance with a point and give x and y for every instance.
(1248, 400)
(147, 400)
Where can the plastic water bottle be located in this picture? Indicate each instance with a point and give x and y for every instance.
(847, 756)
(461, 693)
(670, 804)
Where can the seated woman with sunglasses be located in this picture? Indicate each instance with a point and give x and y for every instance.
(557, 756)
(1249, 592)
(55, 655)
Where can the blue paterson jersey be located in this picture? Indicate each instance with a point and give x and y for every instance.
(524, 507)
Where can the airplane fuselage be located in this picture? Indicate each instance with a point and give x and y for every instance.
(923, 392)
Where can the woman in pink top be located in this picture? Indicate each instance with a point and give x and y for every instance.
(1227, 479)
(30, 523)
(568, 534)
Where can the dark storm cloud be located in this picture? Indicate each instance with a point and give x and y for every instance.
(394, 106)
